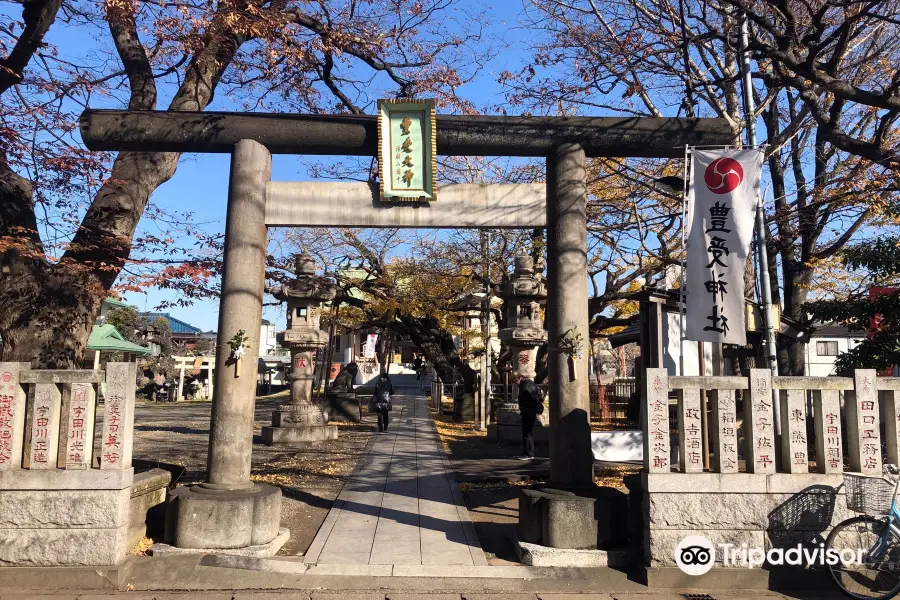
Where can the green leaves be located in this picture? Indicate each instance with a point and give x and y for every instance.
(878, 314)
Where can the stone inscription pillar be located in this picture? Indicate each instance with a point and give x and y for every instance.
(240, 307)
(827, 419)
(724, 432)
(655, 421)
(12, 415)
(864, 434)
(571, 460)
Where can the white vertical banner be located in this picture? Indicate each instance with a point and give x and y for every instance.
(722, 200)
(369, 348)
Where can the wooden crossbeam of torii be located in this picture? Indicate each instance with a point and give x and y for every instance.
(357, 135)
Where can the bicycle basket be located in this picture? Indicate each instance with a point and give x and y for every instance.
(868, 495)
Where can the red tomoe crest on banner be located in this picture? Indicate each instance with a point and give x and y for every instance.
(723, 175)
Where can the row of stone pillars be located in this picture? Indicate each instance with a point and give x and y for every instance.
(229, 510)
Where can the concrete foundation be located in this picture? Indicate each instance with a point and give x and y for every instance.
(512, 434)
(718, 578)
(587, 519)
(199, 517)
(309, 433)
(259, 551)
(535, 555)
(82, 525)
(762, 511)
(148, 505)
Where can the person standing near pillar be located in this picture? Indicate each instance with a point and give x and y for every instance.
(530, 406)
(384, 389)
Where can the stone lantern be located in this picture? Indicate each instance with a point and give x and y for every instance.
(521, 295)
(301, 420)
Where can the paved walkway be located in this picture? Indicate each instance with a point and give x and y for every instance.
(402, 505)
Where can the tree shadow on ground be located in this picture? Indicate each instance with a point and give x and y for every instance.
(494, 509)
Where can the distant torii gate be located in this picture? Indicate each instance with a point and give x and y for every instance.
(228, 510)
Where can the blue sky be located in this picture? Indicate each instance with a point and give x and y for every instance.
(200, 183)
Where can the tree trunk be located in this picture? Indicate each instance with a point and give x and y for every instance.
(46, 313)
(47, 309)
(438, 347)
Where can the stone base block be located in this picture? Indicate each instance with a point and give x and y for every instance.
(199, 517)
(586, 519)
(718, 578)
(535, 555)
(290, 435)
(259, 551)
(62, 547)
(60, 509)
(148, 505)
(341, 407)
(76, 526)
(512, 434)
(762, 511)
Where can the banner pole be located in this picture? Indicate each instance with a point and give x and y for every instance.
(682, 313)
(762, 253)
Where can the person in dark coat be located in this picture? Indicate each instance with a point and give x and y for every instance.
(418, 364)
(384, 389)
(530, 406)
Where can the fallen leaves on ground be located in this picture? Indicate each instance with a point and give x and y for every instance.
(597, 424)
(141, 548)
(613, 476)
(448, 432)
(470, 486)
(272, 479)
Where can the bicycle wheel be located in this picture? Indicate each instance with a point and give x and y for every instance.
(876, 578)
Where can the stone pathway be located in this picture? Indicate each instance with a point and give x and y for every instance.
(402, 505)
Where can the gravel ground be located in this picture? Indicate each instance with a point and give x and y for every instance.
(310, 476)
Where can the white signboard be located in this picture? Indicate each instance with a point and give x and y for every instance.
(723, 197)
(369, 348)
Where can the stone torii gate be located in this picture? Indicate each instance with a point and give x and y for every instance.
(230, 511)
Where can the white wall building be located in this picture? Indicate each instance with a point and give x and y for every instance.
(825, 345)
(267, 341)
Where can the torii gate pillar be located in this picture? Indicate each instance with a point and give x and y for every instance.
(571, 459)
(229, 511)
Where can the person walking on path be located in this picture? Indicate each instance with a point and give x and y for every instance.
(384, 389)
(530, 406)
(418, 366)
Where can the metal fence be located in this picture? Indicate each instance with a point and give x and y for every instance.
(616, 402)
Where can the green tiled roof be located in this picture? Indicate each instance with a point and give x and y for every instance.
(107, 338)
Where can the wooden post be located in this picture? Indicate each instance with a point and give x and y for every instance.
(181, 381)
(891, 430)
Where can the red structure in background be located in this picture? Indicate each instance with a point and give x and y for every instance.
(875, 321)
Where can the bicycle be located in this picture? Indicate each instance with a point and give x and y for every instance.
(874, 536)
